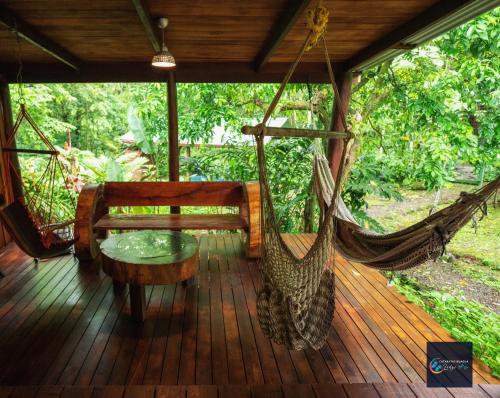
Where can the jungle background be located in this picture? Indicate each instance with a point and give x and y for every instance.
(426, 126)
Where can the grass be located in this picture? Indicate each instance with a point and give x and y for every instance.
(465, 320)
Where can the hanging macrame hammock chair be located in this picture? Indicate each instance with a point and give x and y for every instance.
(39, 229)
(295, 300)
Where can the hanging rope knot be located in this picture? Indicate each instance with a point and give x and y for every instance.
(443, 236)
(317, 21)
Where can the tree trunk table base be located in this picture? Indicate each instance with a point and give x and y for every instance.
(148, 258)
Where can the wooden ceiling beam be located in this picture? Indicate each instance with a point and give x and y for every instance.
(32, 35)
(186, 72)
(293, 10)
(152, 31)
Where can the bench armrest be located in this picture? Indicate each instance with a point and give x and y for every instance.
(89, 209)
(250, 211)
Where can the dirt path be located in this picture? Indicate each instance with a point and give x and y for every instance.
(442, 276)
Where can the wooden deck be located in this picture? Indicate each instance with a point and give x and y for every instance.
(61, 324)
(376, 390)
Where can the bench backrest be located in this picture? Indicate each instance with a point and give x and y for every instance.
(218, 193)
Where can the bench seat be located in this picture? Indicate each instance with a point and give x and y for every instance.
(94, 218)
(171, 221)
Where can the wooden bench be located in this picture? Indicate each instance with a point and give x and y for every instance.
(95, 200)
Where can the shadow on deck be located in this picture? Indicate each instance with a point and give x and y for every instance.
(61, 324)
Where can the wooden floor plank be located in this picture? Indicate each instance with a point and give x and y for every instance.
(146, 331)
(266, 391)
(253, 367)
(108, 392)
(204, 340)
(236, 369)
(139, 392)
(170, 392)
(422, 391)
(63, 324)
(6, 391)
(393, 390)
(361, 390)
(234, 391)
(91, 362)
(48, 345)
(298, 391)
(277, 366)
(187, 367)
(492, 390)
(49, 311)
(85, 317)
(49, 392)
(329, 391)
(156, 356)
(219, 351)
(24, 392)
(202, 391)
(77, 392)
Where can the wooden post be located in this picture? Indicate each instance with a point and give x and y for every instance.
(335, 147)
(16, 189)
(173, 134)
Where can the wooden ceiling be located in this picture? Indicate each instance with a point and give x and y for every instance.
(233, 40)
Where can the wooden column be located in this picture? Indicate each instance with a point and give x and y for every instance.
(7, 121)
(173, 134)
(335, 147)
(10, 185)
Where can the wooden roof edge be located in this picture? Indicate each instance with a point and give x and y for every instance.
(32, 35)
(434, 21)
(186, 72)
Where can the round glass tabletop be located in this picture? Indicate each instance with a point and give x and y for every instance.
(150, 247)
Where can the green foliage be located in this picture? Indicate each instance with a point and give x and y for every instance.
(464, 320)
(436, 106)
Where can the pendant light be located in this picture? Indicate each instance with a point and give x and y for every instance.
(163, 59)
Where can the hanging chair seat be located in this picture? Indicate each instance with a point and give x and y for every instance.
(18, 222)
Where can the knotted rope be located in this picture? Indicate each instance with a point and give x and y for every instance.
(317, 21)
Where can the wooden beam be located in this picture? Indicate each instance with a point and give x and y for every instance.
(32, 35)
(335, 147)
(283, 132)
(152, 31)
(10, 176)
(292, 11)
(437, 19)
(186, 72)
(173, 134)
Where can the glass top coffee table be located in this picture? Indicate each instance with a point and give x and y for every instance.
(147, 257)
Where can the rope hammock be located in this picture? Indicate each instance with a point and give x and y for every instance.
(295, 301)
(404, 249)
(38, 228)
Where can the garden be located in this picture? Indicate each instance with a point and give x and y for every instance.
(426, 127)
